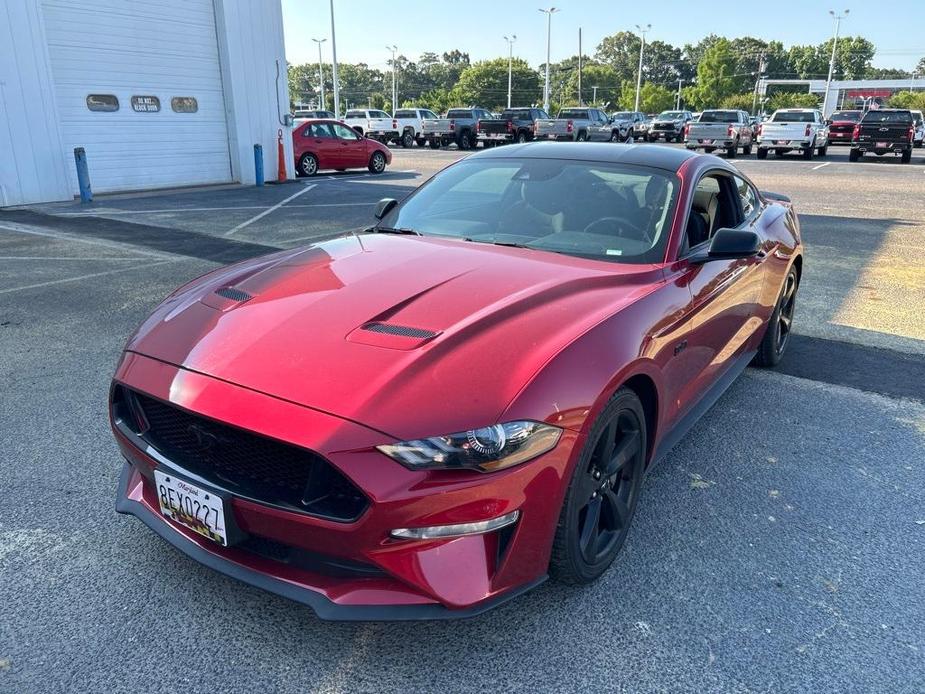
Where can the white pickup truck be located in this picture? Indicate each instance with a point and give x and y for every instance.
(410, 125)
(789, 129)
(378, 125)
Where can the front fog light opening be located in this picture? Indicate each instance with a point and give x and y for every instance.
(457, 530)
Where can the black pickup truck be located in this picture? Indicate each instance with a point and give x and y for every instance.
(883, 131)
(515, 125)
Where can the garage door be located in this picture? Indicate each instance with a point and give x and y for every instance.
(138, 85)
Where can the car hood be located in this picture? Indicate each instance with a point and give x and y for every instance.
(409, 335)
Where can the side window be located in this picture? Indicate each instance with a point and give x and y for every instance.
(343, 132)
(748, 197)
(715, 206)
(318, 130)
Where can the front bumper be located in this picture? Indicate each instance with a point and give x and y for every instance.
(399, 579)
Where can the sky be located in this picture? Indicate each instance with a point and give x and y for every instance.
(365, 27)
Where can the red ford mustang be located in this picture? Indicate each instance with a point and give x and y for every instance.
(431, 417)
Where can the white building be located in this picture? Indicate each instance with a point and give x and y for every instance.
(159, 93)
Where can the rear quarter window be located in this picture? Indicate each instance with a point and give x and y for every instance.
(457, 113)
(577, 114)
(355, 114)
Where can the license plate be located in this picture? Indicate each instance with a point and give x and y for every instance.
(191, 506)
(780, 142)
(706, 142)
(881, 144)
(496, 136)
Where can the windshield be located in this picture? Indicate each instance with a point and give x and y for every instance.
(793, 117)
(671, 114)
(719, 117)
(598, 210)
(623, 114)
(853, 116)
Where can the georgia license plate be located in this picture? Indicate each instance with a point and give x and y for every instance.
(191, 506)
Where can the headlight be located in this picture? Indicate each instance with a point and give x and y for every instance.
(486, 449)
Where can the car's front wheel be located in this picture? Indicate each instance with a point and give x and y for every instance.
(377, 163)
(777, 336)
(602, 495)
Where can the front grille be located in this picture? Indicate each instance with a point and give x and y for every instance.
(244, 463)
(663, 126)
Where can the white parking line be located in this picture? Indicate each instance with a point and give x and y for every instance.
(87, 277)
(45, 257)
(816, 168)
(267, 211)
(104, 212)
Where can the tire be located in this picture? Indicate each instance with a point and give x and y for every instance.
(308, 165)
(407, 139)
(377, 163)
(808, 153)
(747, 150)
(599, 503)
(906, 156)
(778, 331)
(421, 141)
(521, 137)
(854, 155)
(581, 137)
(822, 150)
(465, 140)
(761, 153)
(732, 151)
(435, 144)
(615, 136)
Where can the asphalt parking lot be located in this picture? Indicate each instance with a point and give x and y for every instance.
(779, 547)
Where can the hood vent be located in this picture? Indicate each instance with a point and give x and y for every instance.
(238, 295)
(400, 330)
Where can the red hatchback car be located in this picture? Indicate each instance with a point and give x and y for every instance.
(430, 417)
(330, 144)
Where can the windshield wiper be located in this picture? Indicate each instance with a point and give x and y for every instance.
(396, 230)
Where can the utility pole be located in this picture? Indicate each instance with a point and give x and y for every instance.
(510, 64)
(320, 71)
(580, 103)
(762, 66)
(828, 82)
(334, 65)
(594, 97)
(642, 47)
(549, 11)
(677, 101)
(394, 50)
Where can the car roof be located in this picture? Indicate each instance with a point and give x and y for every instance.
(655, 156)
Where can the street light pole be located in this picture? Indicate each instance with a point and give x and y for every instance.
(510, 64)
(394, 49)
(549, 12)
(334, 66)
(677, 101)
(642, 47)
(320, 71)
(594, 94)
(828, 82)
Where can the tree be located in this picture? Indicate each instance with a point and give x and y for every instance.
(886, 73)
(714, 76)
(662, 63)
(604, 77)
(739, 102)
(303, 83)
(653, 98)
(485, 84)
(908, 99)
(920, 68)
(621, 52)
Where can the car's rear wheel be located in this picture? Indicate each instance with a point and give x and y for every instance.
(435, 144)
(521, 137)
(906, 156)
(602, 495)
(581, 137)
(732, 151)
(377, 163)
(746, 150)
(465, 141)
(407, 139)
(822, 150)
(854, 155)
(308, 165)
(762, 153)
(777, 335)
(808, 152)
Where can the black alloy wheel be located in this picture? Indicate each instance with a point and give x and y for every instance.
(777, 335)
(601, 499)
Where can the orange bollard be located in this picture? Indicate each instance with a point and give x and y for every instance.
(281, 171)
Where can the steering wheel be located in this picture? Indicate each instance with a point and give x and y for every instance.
(623, 224)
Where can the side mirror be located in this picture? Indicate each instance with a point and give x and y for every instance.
(728, 244)
(384, 206)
